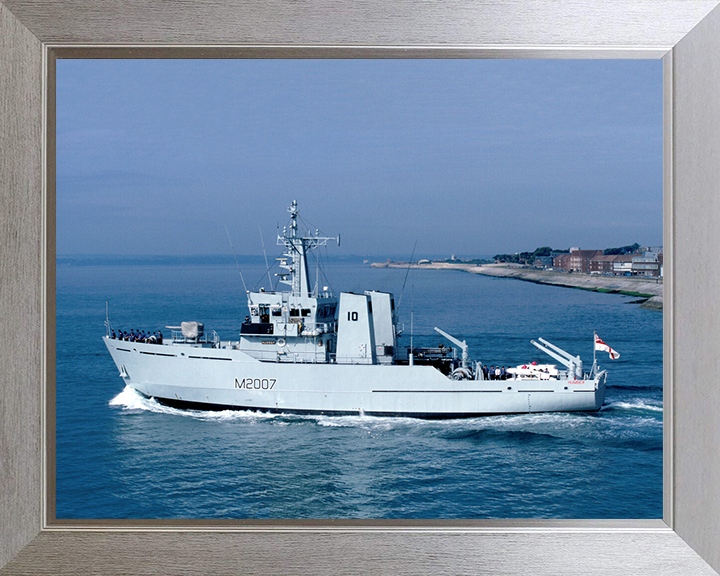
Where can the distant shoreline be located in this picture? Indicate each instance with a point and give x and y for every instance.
(180, 260)
(648, 290)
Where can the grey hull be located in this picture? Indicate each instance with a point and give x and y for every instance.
(216, 378)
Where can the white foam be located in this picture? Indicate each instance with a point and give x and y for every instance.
(636, 405)
(131, 399)
(553, 423)
(232, 415)
(365, 422)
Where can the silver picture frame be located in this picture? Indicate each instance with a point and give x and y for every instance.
(684, 33)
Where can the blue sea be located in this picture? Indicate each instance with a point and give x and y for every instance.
(120, 455)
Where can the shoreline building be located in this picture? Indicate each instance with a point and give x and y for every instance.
(647, 262)
(650, 263)
(577, 260)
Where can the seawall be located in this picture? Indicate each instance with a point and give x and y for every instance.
(650, 290)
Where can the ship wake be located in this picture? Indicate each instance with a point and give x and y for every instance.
(131, 399)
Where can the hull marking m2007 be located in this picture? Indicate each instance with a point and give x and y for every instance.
(255, 383)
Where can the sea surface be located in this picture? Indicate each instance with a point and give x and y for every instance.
(120, 455)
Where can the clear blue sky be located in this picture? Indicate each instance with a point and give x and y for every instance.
(468, 157)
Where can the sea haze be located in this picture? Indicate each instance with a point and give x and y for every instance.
(120, 455)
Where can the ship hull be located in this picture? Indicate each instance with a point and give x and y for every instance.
(194, 377)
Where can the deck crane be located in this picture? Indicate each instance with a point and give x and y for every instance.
(463, 346)
(573, 363)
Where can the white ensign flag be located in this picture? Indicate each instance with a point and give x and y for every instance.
(600, 345)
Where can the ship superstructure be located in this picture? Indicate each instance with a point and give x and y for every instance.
(307, 350)
(298, 325)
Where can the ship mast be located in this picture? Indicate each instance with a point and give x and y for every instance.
(297, 247)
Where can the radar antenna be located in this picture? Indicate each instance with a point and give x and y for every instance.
(297, 247)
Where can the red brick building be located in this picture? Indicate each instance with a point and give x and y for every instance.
(580, 259)
(596, 262)
(602, 264)
(562, 262)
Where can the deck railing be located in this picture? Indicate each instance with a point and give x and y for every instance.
(211, 337)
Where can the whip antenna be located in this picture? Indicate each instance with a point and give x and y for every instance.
(237, 264)
(266, 260)
(406, 275)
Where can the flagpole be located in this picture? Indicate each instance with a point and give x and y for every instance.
(594, 368)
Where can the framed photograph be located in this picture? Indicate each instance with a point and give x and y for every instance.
(679, 33)
(473, 157)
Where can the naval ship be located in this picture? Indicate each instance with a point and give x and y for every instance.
(306, 350)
